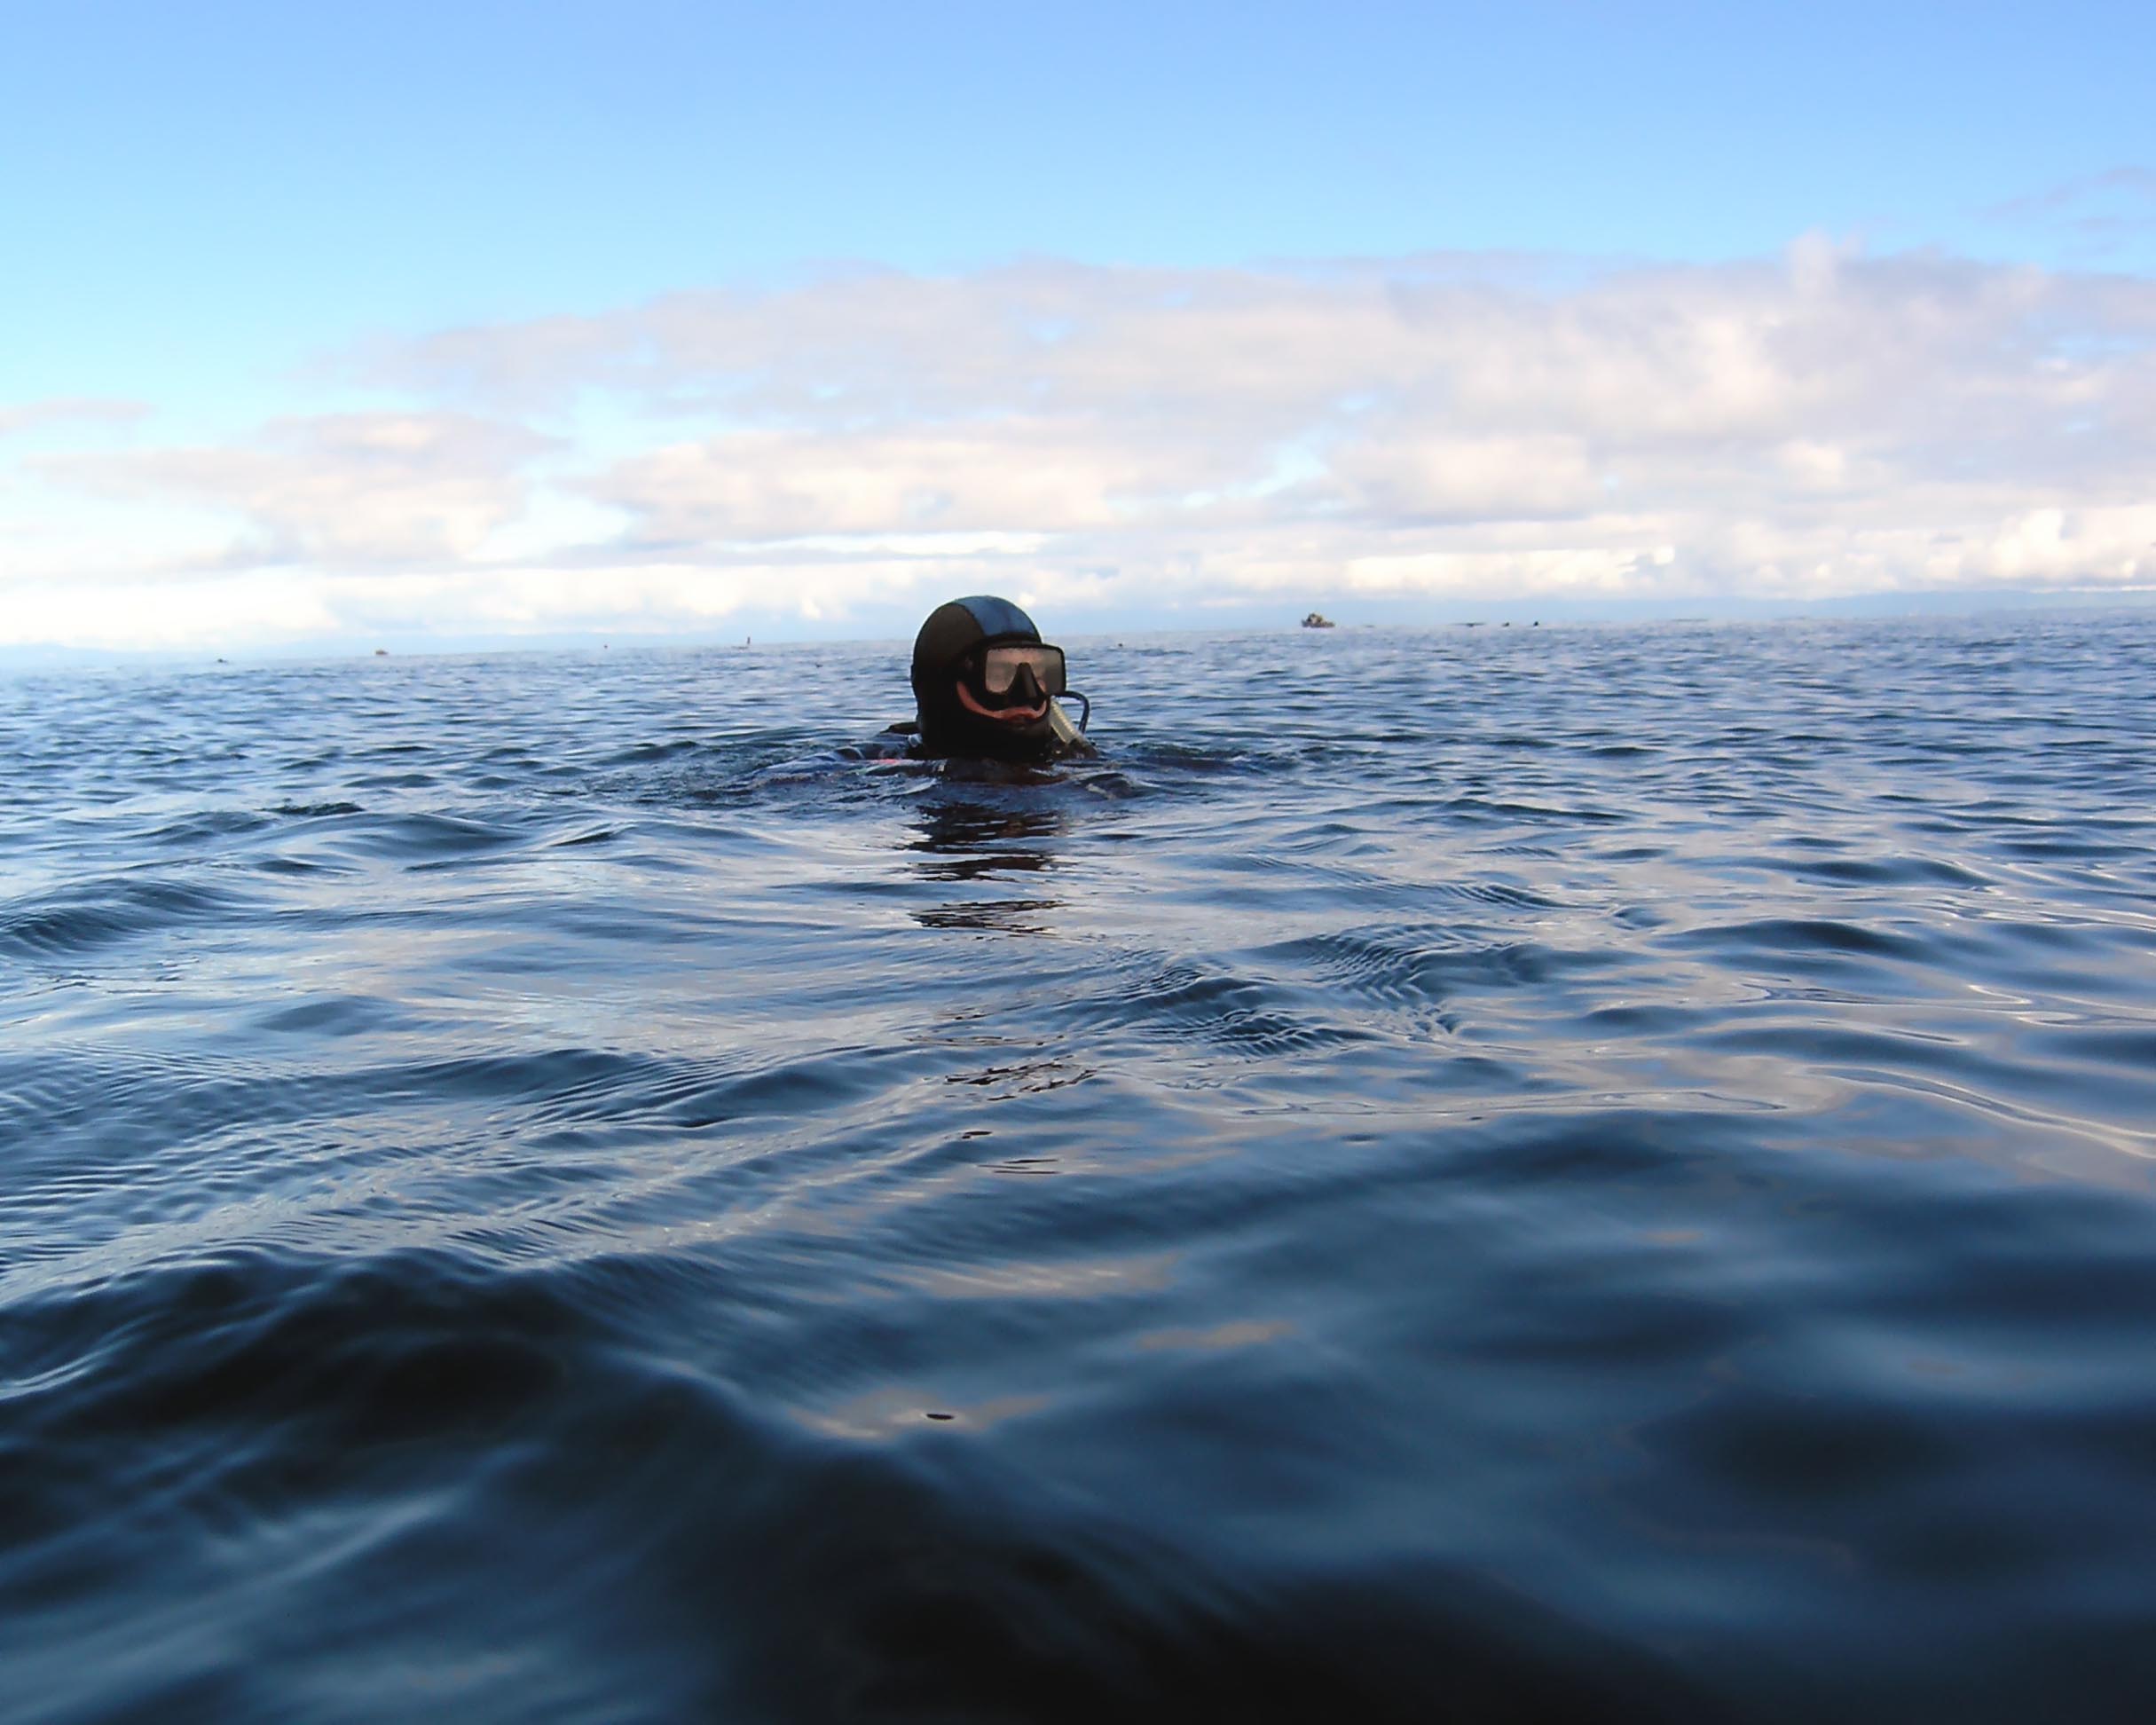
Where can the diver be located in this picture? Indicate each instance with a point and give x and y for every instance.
(985, 686)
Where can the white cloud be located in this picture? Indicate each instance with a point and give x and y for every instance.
(336, 490)
(1110, 439)
(1409, 477)
(29, 416)
(164, 614)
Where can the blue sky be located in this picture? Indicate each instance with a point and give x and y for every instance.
(211, 210)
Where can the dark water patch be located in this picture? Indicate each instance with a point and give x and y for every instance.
(83, 917)
(1891, 872)
(205, 828)
(596, 835)
(394, 781)
(332, 1015)
(297, 865)
(642, 755)
(1804, 939)
(418, 840)
(318, 810)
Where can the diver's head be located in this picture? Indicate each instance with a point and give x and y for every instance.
(983, 682)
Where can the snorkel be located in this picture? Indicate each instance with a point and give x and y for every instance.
(985, 685)
(1071, 738)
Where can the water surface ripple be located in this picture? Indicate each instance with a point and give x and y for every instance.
(1477, 1174)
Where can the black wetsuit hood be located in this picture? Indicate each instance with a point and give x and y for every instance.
(947, 729)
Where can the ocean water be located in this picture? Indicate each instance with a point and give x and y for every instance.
(1471, 1174)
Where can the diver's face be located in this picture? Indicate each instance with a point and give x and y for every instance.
(1017, 714)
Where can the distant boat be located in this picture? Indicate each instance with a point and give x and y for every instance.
(1314, 621)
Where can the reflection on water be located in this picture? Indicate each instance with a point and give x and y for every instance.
(962, 838)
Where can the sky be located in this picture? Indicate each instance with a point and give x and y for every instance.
(327, 327)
